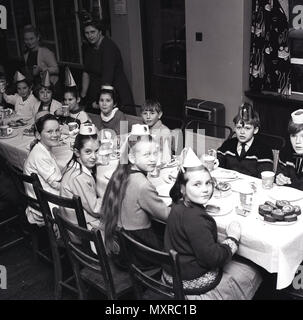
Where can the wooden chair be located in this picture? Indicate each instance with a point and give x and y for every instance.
(93, 269)
(142, 278)
(211, 129)
(44, 197)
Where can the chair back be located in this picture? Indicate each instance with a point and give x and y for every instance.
(44, 197)
(211, 129)
(83, 256)
(143, 278)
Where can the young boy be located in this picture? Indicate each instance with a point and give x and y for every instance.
(290, 168)
(246, 153)
(151, 113)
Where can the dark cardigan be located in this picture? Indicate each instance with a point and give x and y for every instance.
(258, 158)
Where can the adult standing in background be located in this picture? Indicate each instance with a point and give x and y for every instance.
(38, 59)
(102, 65)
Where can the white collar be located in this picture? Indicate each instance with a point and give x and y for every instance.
(247, 145)
(110, 117)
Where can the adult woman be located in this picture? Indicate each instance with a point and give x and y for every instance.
(38, 58)
(102, 65)
(42, 161)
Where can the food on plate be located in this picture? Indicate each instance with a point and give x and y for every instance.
(222, 189)
(29, 131)
(281, 203)
(265, 209)
(291, 218)
(297, 210)
(212, 209)
(278, 214)
(280, 211)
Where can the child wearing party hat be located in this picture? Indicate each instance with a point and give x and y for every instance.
(246, 153)
(72, 99)
(290, 165)
(192, 232)
(79, 177)
(131, 200)
(44, 92)
(24, 100)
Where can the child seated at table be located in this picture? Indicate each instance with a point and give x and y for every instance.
(151, 113)
(42, 161)
(290, 165)
(24, 100)
(207, 269)
(110, 116)
(44, 92)
(246, 153)
(131, 200)
(79, 176)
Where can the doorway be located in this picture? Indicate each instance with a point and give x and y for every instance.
(164, 53)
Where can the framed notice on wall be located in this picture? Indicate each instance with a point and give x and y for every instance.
(120, 7)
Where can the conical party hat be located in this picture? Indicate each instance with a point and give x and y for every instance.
(45, 82)
(69, 80)
(297, 116)
(190, 161)
(18, 76)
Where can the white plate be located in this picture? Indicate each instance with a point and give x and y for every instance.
(226, 207)
(12, 135)
(277, 223)
(163, 190)
(285, 193)
(225, 175)
(18, 126)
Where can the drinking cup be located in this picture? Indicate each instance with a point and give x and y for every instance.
(5, 131)
(210, 162)
(268, 178)
(65, 111)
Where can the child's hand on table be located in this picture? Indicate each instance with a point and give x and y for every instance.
(281, 179)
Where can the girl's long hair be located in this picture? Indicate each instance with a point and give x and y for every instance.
(80, 140)
(113, 198)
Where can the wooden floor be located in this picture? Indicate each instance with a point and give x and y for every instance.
(30, 280)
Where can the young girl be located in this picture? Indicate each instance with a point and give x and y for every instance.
(23, 100)
(193, 234)
(44, 92)
(42, 161)
(130, 200)
(72, 99)
(110, 116)
(79, 175)
(290, 168)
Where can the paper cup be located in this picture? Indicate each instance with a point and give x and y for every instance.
(268, 178)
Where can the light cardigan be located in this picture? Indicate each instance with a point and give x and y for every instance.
(46, 60)
(55, 105)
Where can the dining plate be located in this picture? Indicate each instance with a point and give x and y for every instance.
(277, 223)
(285, 193)
(12, 135)
(163, 190)
(15, 124)
(225, 175)
(226, 207)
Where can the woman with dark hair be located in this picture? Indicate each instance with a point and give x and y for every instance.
(42, 161)
(102, 65)
(38, 58)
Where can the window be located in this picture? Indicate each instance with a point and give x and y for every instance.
(296, 44)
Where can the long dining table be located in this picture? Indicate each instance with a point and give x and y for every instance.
(278, 248)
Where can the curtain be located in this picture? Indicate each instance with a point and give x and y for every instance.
(269, 54)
